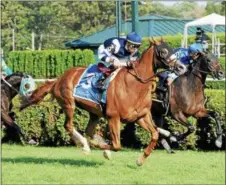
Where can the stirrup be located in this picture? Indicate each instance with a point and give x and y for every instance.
(163, 89)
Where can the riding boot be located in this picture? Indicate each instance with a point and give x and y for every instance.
(162, 89)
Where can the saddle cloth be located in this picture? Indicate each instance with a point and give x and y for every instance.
(87, 88)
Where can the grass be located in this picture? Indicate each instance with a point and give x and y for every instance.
(67, 165)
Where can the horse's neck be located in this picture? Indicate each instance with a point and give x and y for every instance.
(195, 81)
(199, 75)
(11, 91)
(145, 67)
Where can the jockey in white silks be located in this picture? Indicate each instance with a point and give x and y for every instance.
(117, 51)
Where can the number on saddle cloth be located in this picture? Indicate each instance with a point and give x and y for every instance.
(87, 86)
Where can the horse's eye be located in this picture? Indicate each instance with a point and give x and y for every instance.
(164, 52)
(27, 86)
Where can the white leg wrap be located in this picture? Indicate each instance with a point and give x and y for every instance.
(163, 132)
(81, 139)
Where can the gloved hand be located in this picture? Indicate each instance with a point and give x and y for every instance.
(117, 63)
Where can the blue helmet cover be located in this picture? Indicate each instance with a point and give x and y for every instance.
(134, 38)
(195, 48)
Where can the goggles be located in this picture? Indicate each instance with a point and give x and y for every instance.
(132, 46)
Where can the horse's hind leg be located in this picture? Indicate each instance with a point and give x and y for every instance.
(93, 121)
(148, 124)
(75, 135)
(90, 131)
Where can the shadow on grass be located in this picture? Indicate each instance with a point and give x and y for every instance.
(72, 162)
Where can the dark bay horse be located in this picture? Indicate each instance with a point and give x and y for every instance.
(128, 98)
(10, 87)
(186, 96)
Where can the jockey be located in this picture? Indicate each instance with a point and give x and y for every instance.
(117, 51)
(202, 38)
(186, 56)
(5, 70)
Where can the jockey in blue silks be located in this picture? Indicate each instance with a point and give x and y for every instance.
(185, 56)
(117, 51)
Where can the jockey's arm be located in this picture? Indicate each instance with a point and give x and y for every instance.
(107, 50)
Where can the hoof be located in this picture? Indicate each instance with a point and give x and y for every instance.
(218, 142)
(140, 161)
(173, 139)
(172, 152)
(32, 142)
(107, 154)
(86, 148)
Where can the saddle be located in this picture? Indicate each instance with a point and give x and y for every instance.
(106, 73)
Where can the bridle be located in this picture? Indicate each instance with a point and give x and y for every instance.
(7, 83)
(153, 77)
(203, 71)
(20, 91)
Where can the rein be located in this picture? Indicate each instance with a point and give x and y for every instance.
(152, 78)
(7, 83)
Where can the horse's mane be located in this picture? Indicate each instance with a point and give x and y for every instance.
(189, 75)
(144, 52)
(20, 74)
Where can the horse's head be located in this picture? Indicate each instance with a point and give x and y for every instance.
(163, 53)
(21, 82)
(209, 64)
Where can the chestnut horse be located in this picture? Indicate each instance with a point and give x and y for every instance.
(186, 96)
(128, 98)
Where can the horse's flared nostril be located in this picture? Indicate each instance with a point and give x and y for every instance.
(221, 73)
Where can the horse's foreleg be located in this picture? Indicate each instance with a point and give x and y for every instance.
(219, 131)
(114, 128)
(148, 124)
(13, 125)
(75, 135)
(180, 117)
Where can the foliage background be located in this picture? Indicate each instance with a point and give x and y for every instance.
(53, 23)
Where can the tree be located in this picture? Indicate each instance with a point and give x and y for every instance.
(215, 7)
(13, 24)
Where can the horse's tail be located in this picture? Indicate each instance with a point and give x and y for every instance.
(38, 94)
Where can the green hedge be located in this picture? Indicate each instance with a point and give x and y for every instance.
(175, 41)
(48, 63)
(44, 123)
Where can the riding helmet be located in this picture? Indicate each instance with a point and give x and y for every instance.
(134, 38)
(195, 48)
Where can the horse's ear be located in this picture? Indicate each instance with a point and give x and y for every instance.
(161, 39)
(152, 41)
